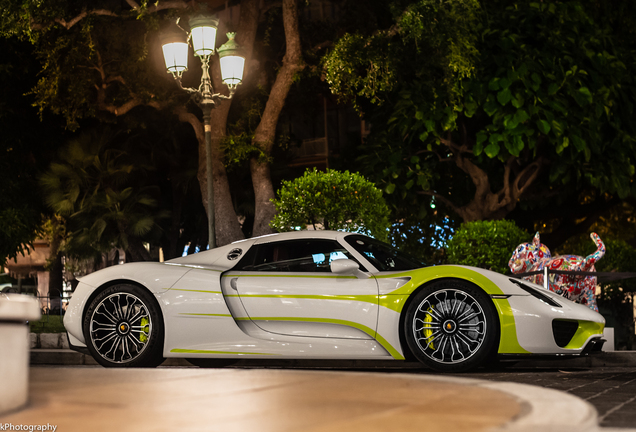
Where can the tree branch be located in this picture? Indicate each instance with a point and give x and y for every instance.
(82, 15)
(292, 63)
(187, 117)
(521, 182)
(504, 193)
(175, 4)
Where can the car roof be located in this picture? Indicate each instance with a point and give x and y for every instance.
(296, 235)
(220, 257)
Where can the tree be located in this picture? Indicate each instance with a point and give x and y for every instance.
(331, 200)
(543, 112)
(103, 60)
(100, 191)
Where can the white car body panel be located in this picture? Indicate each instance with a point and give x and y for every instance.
(211, 311)
(156, 277)
(294, 295)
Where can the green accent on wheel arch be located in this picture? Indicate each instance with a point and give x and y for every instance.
(385, 344)
(583, 333)
(188, 351)
(508, 342)
(395, 300)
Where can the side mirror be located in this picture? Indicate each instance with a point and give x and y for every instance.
(347, 267)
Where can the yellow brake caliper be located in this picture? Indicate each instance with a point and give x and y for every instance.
(143, 336)
(428, 332)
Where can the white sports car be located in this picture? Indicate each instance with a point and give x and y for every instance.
(319, 295)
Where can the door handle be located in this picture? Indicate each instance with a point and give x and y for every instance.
(233, 284)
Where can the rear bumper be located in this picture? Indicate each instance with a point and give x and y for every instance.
(76, 345)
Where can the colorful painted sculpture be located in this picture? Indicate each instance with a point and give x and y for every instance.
(535, 256)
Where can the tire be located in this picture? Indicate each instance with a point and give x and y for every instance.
(451, 326)
(123, 327)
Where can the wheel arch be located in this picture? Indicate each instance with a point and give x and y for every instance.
(114, 282)
(408, 354)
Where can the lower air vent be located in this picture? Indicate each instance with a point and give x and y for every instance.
(564, 331)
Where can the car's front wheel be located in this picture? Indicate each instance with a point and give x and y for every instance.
(451, 326)
(123, 328)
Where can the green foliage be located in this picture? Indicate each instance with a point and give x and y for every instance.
(99, 190)
(429, 38)
(16, 231)
(550, 83)
(486, 244)
(95, 65)
(336, 200)
(48, 324)
(238, 146)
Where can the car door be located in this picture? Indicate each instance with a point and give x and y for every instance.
(287, 288)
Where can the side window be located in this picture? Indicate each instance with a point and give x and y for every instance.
(313, 255)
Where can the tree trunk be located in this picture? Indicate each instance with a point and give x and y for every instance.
(227, 226)
(486, 204)
(136, 251)
(263, 192)
(56, 277)
(266, 130)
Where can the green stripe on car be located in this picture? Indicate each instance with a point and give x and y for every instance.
(188, 351)
(385, 344)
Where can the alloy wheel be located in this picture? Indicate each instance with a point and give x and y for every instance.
(120, 327)
(449, 326)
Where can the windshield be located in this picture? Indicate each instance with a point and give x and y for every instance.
(383, 256)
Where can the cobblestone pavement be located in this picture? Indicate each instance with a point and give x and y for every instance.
(611, 390)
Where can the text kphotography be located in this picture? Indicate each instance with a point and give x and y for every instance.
(24, 427)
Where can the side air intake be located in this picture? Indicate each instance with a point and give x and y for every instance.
(564, 331)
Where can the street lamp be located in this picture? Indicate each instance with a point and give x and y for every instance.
(175, 52)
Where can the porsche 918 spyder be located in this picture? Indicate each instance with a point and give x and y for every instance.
(319, 295)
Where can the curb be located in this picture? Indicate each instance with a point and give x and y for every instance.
(54, 354)
(48, 341)
(543, 409)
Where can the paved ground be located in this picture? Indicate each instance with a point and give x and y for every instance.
(611, 390)
(608, 383)
(193, 399)
(80, 398)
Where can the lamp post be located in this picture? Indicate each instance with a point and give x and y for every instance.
(175, 51)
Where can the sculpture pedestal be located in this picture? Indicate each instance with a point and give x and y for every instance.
(15, 310)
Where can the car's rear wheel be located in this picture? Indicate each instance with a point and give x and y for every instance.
(451, 326)
(123, 327)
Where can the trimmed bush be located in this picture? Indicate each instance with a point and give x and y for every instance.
(332, 200)
(486, 244)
